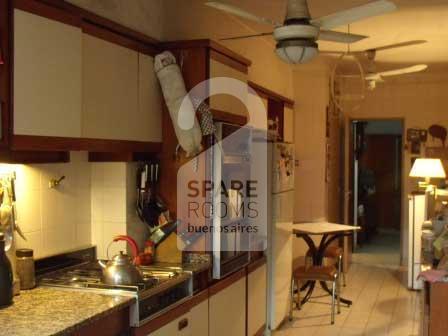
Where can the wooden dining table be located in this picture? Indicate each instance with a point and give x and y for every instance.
(329, 233)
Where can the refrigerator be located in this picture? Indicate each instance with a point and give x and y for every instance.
(418, 205)
(279, 231)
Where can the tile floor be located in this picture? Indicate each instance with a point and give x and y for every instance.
(382, 305)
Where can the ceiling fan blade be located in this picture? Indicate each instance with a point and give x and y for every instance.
(398, 45)
(397, 72)
(331, 52)
(348, 16)
(334, 36)
(244, 36)
(230, 9)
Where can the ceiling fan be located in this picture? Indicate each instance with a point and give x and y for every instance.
(372, 76)
(296, 37)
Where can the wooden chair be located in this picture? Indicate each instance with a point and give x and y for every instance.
(335, 253)
(303, 274)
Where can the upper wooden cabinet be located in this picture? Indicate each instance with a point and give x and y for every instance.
(148, 124)
(202, 60)
(110, 89)
(223, 102)
(72, 80)
(121, 97)
(288, 124)
(280, 113)
(47, 76)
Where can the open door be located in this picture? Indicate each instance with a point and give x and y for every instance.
(348, 193)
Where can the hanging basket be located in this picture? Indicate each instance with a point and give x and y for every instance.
(347, 89)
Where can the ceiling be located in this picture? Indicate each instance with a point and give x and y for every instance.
(414, 20)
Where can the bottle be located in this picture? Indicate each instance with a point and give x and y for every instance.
(6, 278)
(25, 268)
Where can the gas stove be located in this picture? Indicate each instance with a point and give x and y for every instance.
(162, 288)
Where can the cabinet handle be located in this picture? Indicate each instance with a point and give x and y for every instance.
(183, 324)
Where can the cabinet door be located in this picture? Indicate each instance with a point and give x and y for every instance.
(110, 90)
(258, 118)
(147, 125)
(179, 327)
(47, 76)
(223, 102)
(288, 125)
(256, 300)
(199, 319)
(227, 310)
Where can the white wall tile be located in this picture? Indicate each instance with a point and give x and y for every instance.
(83, 233)
(110, 230)
(27, 177)
(97, 175)
(55, 220)
(34, 242)
(114, 205)
(29, 215)
(114, 175)
(96, 231)
(59, 239)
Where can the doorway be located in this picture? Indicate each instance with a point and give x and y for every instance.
(377, 189)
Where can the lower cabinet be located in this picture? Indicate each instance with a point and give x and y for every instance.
(234, 306)
(179, 327)
(256, 301)
(227, 309)
(199, 319)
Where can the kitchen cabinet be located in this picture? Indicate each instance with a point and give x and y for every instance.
(258, 118)
(223, 102)
(199, 319)
(179, 327)
(288, 124)
(147, 125)
(280, 113)
(47, 76)
(72, 80)
(116, 323)
(227, 309)
(121, 97)
(110, 89)
(256, 300)
(202, 60)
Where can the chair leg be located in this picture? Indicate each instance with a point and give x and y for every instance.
(339, 294)
(341, 270)
(333, 295)
(291, 307)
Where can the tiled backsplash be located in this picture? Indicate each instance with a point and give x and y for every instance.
(94, 203)
(113, 207)
(54, 220)
(108, 206)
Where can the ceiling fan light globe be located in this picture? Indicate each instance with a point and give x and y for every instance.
(297, 51)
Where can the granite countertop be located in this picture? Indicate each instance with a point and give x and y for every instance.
(48, 311)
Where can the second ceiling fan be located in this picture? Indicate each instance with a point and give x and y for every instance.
(373, 76)
(296, 37)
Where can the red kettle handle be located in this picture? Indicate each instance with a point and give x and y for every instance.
(130, 241)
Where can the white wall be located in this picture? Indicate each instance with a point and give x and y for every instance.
(54, 220)
(312, 98)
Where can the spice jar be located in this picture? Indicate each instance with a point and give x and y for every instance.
(25, 268)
